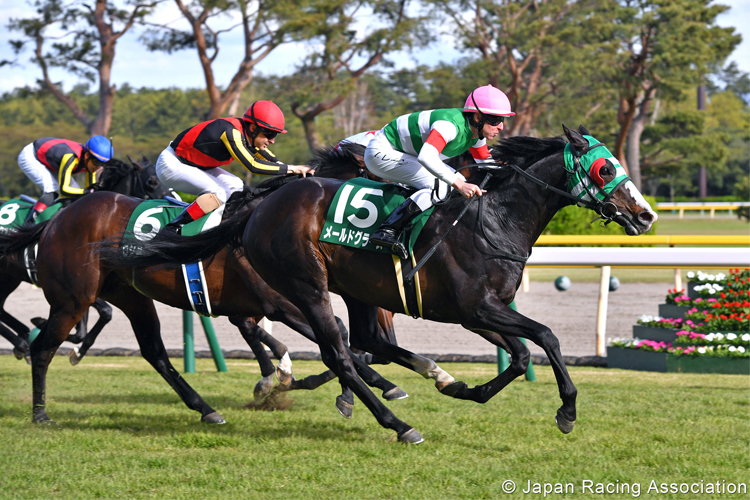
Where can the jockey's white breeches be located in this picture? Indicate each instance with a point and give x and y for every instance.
(188, 179)
(37, 172)
(384, 161)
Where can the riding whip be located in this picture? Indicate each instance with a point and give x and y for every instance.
(426, 256)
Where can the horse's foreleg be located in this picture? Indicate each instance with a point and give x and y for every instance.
(18, 327)
(105, 316)
(81, 330)
(314, 303)
(20, 346)
(142, 315)
(501, 318)
(252, 334)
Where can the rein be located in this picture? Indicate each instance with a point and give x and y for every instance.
(606, 209)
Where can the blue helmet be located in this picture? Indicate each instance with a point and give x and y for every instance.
(100, 147)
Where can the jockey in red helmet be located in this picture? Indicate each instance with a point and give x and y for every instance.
(50, 164)
(193, 160)
(411, 150)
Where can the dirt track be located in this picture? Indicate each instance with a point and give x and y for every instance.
(571, 315)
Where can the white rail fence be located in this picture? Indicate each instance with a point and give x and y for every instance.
(606, 258)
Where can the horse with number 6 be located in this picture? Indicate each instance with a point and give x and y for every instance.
(471, 278)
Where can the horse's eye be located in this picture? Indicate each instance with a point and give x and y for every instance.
(602, 171)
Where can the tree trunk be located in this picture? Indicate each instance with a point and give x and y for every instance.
(633, 154)
(311, 132)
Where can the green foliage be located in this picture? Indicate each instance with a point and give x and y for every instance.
(574, 220)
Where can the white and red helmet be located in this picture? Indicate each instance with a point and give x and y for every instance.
(488, 100)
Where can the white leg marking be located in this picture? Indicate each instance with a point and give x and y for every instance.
(284, 370)
(429, 369)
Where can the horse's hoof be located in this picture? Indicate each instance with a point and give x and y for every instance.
(19, 353)
(263, 387)
(565, 425)
(285, 378)
(395, 393)
(28, 359)
(412, 436)
(346, 409)
(453, 389)
(41, 417)
(213, 418)
(75, 356)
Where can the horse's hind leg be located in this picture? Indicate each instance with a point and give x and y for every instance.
(501, 318)
(105, 316)
(19, 339)
(142, 315)
(364, 335)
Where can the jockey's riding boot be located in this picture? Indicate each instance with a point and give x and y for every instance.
(204, 204)
(389, 233)
(42, 203)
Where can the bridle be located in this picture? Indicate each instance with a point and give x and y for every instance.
(606, 209)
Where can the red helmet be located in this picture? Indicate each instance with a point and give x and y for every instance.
(266, 114)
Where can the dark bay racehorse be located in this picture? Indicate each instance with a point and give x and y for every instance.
(234, 291)
(135, 179)
(471, 278)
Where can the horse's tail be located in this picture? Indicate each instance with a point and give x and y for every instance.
(18, 239)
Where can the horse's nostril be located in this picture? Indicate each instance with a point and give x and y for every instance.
(646, 217)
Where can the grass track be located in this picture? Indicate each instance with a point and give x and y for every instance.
(124, 434)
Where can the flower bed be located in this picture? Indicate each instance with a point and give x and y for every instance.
(713, 339)
(648, 355)
(656, 333)
(673, 311)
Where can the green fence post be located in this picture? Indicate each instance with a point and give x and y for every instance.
(213, 343)
(188, 344)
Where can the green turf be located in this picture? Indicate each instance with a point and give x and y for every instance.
(123, 433)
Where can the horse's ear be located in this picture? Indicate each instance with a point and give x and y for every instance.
(583, 130)
(135, 164)
(575, 138)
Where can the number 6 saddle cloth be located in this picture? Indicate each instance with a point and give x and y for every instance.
(357, 210)
(146, 221)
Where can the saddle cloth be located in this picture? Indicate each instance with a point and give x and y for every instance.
(358, 208)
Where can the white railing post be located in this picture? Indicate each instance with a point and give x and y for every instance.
(601, 315)
(525, 280)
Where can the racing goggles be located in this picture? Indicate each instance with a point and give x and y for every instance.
(493, 120)
(270, 134)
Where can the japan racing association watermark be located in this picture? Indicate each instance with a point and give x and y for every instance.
(634, 489)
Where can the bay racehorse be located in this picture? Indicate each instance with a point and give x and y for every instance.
(73, 276)
(134, 179)
(471, 278)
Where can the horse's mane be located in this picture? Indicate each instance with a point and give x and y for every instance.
(521, 151)
(114, 171)
(336, 161)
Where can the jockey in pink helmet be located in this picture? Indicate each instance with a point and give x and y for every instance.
(411, 150)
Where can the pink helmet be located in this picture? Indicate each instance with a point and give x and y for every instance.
(489, 101)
